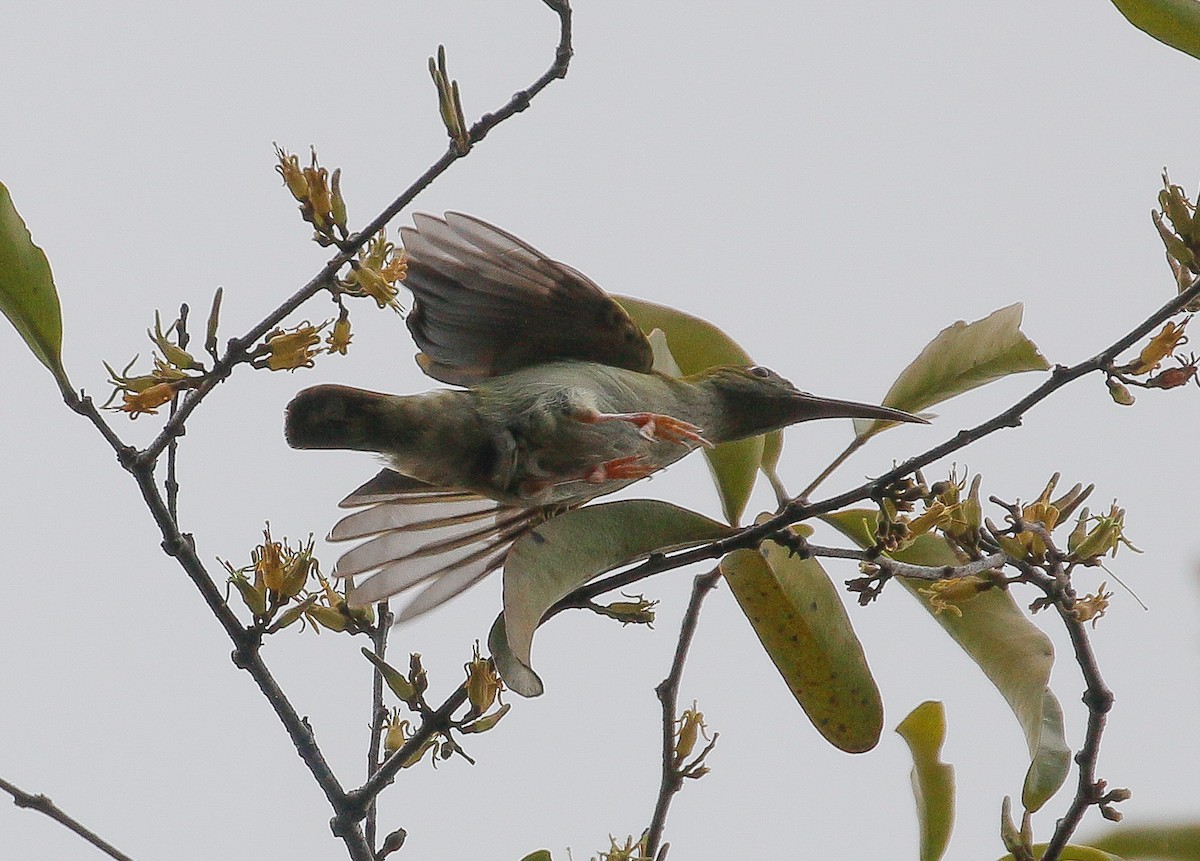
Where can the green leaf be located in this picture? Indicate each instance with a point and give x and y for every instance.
(1167, 841)
(697, 345)
(1073, 852)
(538, 855)
(932, 780)
(962, 357)
(519, 677)
(802, 624)
(396, 680)
(1172, 22)
(567, 551)
(27, 295)
(1012, 652)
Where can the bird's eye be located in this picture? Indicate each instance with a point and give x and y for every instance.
(760, 371)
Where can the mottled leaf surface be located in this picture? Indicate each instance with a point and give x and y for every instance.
(800, 620)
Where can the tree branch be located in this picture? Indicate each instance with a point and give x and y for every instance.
(42, 804)
(237, 350)
(1056, 585)
(349, 809)
(798, 509)
(379, 638)
(668, 695)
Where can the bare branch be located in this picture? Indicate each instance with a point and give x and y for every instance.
(1089, 791)
(349, 809)
(236, 351)
(42, 804)
(668, 695)
(383, 625)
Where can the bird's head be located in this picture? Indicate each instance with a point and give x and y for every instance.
(756, 400)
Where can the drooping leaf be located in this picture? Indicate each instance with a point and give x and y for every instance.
(962, 357)
(1172, 22)
(519, 677)
(1073, 852)
(1166, 841)
(696, 345)
(567, 551)
(802, 624)
(1012, 652)
(27, 295)
(932, 780)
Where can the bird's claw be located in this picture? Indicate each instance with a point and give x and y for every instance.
(627, 468)
(655, 427)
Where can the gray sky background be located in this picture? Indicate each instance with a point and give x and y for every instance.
(830, 183)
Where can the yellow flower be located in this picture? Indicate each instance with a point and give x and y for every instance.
(945, 595)
(339, 337)
(689, 727)
(293, 176)
(1091, 607)
(289, 350)
(483, 683)
(147, 401)
(1161, 345)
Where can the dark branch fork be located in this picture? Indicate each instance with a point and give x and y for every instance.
(349, 807)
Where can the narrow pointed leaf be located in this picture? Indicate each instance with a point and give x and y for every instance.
(1165, 841)
(802, 624)
(396, 680)
(696, 345)
(27, 295)
(1172, 22)
(962, 357)
(932, 780)
(1013, 653)
(567, 551)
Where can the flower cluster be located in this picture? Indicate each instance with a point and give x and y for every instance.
(280, 576)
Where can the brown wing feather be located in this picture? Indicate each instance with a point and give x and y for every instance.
(487, 304)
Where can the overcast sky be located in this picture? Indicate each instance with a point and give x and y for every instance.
(830, 183)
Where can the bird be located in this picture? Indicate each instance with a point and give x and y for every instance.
(557, 402)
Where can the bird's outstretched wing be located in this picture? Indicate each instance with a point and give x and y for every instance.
(416, 533)
(487, 304)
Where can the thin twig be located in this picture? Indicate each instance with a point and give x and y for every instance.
(1099, 701)
(668, 695)
(855, 445)
(236, 351)
(379, 638)
(171, 485)
(349, 809)
(42, 804)
(1097, 697)
(436, 721)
